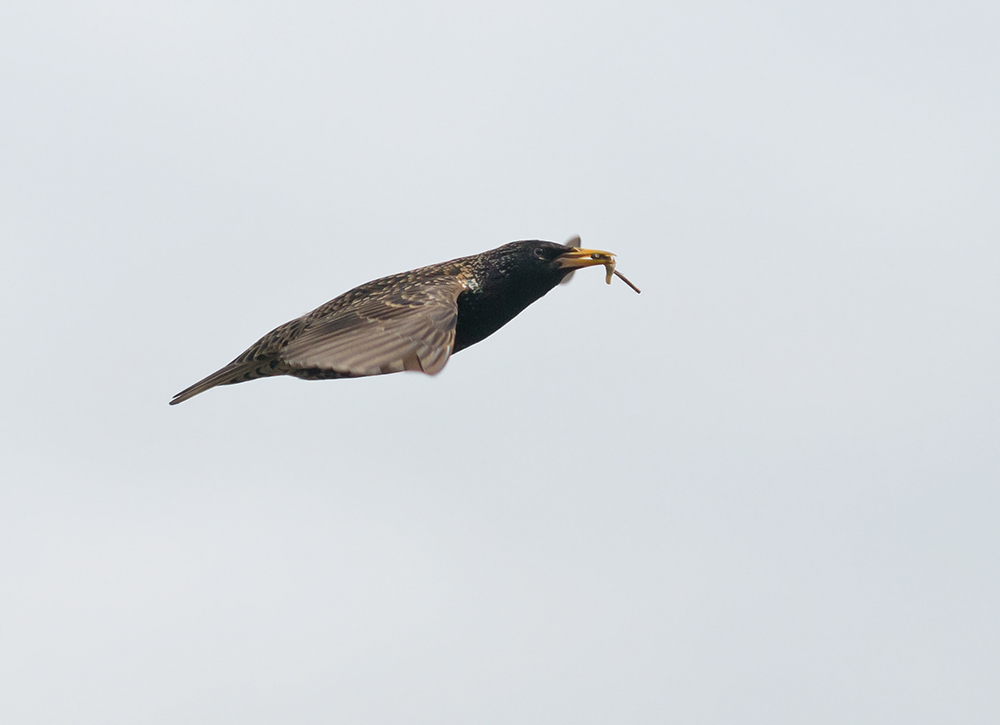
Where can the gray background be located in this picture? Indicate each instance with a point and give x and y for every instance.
(763, 491)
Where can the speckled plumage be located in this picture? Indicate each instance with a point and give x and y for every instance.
(410, 321)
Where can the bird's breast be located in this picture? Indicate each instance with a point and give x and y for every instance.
(483, 309)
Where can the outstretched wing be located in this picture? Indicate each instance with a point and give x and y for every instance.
(402, 329)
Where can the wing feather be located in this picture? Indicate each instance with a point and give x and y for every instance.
(409, 329)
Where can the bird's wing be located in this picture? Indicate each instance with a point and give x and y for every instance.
(406, 328)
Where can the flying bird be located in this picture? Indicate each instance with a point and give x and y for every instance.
(414, 320)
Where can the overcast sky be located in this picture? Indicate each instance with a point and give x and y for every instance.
(764, 491)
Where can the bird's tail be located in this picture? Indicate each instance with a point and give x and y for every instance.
(237, 371)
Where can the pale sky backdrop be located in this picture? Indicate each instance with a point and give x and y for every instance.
(764, 491)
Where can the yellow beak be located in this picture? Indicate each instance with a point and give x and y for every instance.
(577, 257)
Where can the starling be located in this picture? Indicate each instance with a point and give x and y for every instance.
(410, 321)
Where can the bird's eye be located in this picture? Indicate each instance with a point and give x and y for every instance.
(539, 252)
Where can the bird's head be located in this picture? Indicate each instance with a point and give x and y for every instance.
(525, 271)
(551, 262)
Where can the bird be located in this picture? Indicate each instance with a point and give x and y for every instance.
(414, 320)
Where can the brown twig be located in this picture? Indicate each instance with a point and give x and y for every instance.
(624, 279)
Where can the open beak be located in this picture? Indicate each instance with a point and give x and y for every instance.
(577, 257)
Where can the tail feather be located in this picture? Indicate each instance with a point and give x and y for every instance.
(234, 372)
